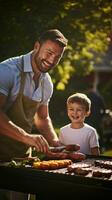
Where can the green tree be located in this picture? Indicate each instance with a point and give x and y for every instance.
(86, 24)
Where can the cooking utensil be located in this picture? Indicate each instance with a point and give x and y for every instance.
(71, 147)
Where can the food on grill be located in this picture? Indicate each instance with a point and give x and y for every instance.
(104, 173)
(98, 163)
(77, 156)
(22, 162)
(70, 147)
(95, 169)
(82, 171)
(52, 164)
(107, 164)
(74, 166)
(67, 155)
(12, 163)
(103, 164)
(58, 155)
(79, 168)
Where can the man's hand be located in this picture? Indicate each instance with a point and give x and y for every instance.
(38, 142)
(56, 143)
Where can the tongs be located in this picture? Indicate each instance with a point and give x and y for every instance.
(70, 147)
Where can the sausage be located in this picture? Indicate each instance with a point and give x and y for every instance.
(66, 155)
(77, 156)
(60, 155)
(72, 147)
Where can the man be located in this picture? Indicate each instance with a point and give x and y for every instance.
(25, 92)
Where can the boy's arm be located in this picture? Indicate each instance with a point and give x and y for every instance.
(95, 151)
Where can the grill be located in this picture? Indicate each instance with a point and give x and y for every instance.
(56, 184)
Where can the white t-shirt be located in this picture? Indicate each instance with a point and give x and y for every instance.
(86, 137)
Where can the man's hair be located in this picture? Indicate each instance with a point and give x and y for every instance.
(53, 35)
(81, 99)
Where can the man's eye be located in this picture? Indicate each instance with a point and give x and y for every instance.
(49, 53)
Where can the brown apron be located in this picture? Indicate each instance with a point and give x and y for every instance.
(22, 114)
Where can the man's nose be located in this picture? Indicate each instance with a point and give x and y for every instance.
(52, 59)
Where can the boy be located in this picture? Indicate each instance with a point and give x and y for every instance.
(78, 132)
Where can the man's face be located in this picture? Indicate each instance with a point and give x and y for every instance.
(47, 55)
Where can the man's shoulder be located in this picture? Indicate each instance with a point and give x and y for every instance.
(12, 63)
(11, 59)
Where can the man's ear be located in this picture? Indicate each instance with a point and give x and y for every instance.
(37, 45)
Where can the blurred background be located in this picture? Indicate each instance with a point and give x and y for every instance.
(87, 24)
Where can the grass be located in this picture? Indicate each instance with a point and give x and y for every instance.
(107, 153)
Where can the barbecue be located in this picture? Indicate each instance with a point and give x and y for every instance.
(89, 179)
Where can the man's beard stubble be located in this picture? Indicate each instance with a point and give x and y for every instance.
(40, 64)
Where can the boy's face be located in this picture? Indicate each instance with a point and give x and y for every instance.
(77, 112)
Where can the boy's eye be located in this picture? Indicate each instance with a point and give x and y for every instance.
(70, 109)
(79, 110)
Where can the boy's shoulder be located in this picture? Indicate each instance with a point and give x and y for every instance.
(87, 126)
(67, 126)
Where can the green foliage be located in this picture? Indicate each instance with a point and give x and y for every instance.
(86, 23)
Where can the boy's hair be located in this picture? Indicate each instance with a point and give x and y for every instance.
(53, 35)
(81, 99)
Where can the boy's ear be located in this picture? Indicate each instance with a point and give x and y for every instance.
(88, 113)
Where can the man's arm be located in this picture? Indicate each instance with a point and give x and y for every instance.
(8, 128)
(44, 124)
